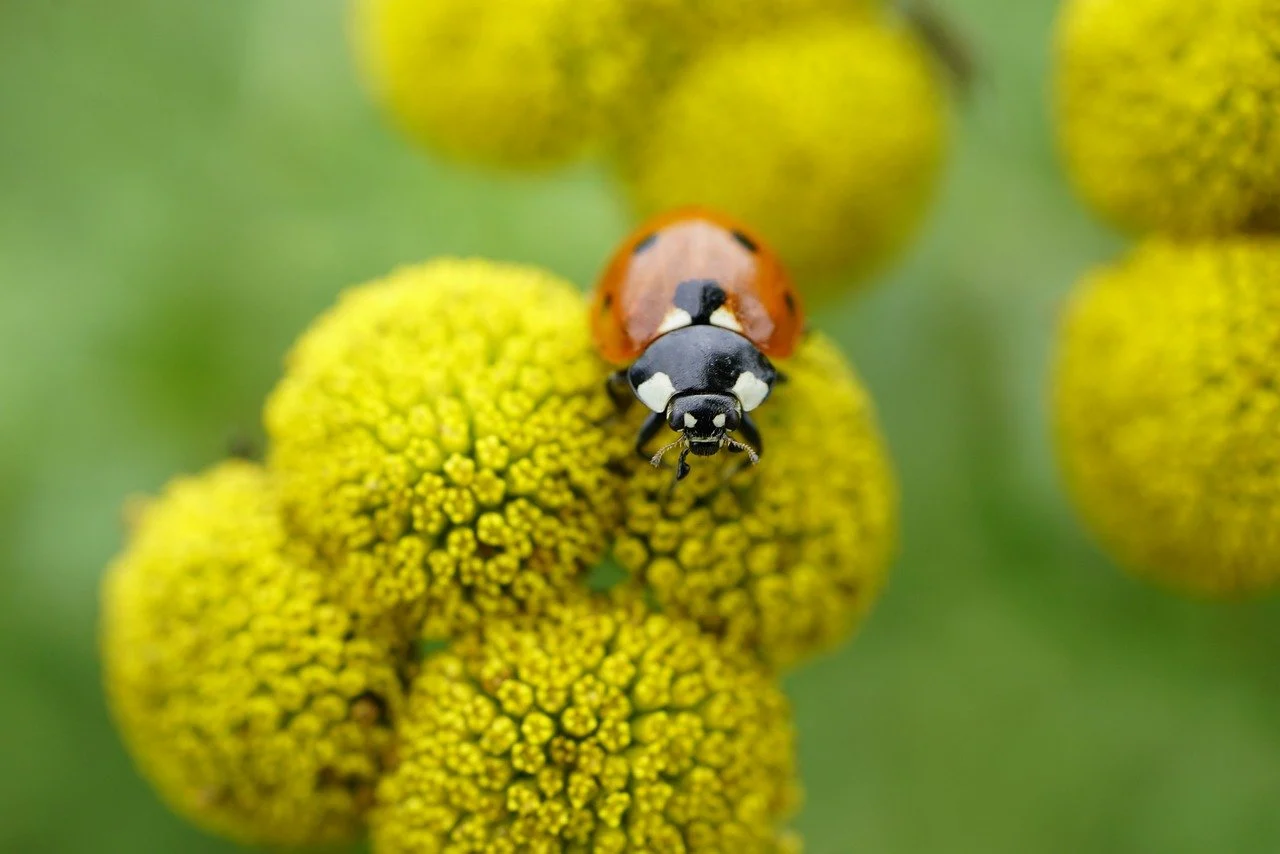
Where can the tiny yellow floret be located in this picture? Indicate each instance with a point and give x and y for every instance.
(1168, 412)
(1167, 111)
(516, 83)
(445, 438)
(783, 559)
(598, 728)
(827, 137)
(257, 707)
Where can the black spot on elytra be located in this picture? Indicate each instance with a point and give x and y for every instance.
(645, 243)
(607, 302)
(790, 300)
(747, 242)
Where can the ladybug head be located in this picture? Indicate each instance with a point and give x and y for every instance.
(704, 420)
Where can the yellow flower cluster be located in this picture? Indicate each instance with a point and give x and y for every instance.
(827, 138)
(445, 439)
(1168, 111)
(599, 728)
(534, 83)
(821, 122)
(258, 708)
(1168, 411)
(1167, 115)
(783, 559)
(446, 463)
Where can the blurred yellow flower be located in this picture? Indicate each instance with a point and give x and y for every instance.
(254, 704)
(827, 137)
(784, 559)
(676, 32)
(445, 438)
(1168, 412)
(518, 83)
(598, 728)
(1167, 111)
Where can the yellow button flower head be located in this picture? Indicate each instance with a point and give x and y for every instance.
(1168, 412)
(1167, 110)
(676, 32)
(826, 137)
(781, 560)
(445, 437)
(252, 702)
(514, 83)
(600, 728)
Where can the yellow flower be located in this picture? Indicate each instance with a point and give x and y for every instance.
(444, 437)
(1167, 111)
(599, 728)
(514, 83)
(677, 32)
(783, 559)
(826, 137)
(257, 707)
(1168, 412)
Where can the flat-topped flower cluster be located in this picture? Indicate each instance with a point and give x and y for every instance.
(388, 624)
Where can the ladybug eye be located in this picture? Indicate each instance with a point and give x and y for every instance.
(645, 243)
(747, 242)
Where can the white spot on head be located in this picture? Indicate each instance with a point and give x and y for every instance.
(751, 390)
(689, 420)
(719, 420)
(677, 318)
(656, 392)
(725, 318)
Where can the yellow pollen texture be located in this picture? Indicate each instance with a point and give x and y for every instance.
(1168, 411)
(600, 728)
(257, 707)
(444, 437)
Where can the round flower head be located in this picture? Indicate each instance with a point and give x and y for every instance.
(516, 83)
(255, 705)
(827, 138)
(1167, 110)
(1168, 409)
(445, 438)
(677, 32)
(784, 558)
(600, 728)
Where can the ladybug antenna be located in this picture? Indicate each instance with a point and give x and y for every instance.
(656, 460)
(751, 453)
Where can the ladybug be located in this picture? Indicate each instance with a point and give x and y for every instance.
(695, 305)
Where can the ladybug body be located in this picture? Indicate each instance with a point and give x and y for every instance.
(695, 306)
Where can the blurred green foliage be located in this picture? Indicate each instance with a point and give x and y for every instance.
(184, 185)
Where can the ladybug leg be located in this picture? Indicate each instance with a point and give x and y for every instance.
(619, 389)
(780, 378)
(751, 435)
(682, 464)
(655, 422)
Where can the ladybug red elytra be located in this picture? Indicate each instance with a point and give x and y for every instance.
(696, 304)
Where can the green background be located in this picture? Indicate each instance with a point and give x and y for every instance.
(184, 185)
